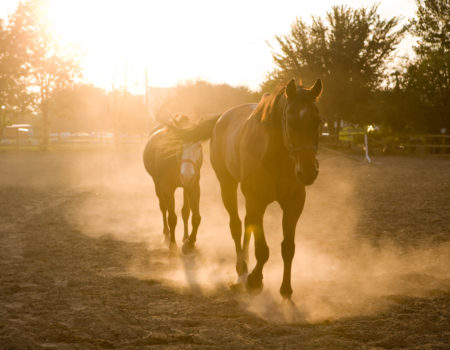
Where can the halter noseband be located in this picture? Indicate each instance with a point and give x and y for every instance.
(188, 161)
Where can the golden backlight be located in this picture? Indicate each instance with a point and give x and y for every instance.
(174, 40)
(119, 39)
(178, 40)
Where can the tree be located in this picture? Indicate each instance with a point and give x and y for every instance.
(80, 108)
(203, 99)
(432, 26)
(13, 88)
(48, 67)
(349, 52)
(427, 79)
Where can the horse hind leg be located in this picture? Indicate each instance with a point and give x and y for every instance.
(172, 222)
(185, 213)
(163, 208)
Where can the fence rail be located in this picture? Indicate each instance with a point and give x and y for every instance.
(426, 143)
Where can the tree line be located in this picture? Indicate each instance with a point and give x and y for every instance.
(352, 50)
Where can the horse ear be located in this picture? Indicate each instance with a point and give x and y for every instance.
(291, 89)
(316, 90)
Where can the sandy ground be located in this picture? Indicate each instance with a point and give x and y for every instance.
(83, 266)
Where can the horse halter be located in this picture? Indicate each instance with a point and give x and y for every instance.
(190, 161)
(182, 160)
(291, 147)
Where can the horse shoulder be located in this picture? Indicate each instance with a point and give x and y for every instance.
(226, 139)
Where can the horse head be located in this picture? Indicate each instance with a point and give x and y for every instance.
(300, 126)
(190, 163)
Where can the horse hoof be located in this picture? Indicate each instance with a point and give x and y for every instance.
(237, 288)
(254, 284)
(240, 285)
(286, 292)
(166, 240)
(173, 250)
(188, 248)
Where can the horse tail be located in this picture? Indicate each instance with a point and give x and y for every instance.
(201, 132)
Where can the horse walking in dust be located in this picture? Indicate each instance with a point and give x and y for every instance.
(173, 163)
(270, 149)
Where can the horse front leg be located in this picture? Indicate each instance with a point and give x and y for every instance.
(193, 196)
(254, 223)
(185, 212)
(229, 197)
(292, 209)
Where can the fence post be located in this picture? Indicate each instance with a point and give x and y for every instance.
(367, 149)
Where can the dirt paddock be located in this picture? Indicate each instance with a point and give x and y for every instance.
(83, 265)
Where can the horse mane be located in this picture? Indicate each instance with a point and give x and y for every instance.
(269, 107)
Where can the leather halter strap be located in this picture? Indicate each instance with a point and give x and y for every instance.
(188, 161)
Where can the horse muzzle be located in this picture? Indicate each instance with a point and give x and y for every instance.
(187, 174)
(307, 174)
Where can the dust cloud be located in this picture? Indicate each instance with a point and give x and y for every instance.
(355, 249)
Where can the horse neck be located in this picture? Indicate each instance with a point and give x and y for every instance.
(271, 118)
(267, 122)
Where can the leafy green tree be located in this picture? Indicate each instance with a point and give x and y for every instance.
(13, 88)
(432, 26)
(427, 79)
(48, 67)
(349, 51)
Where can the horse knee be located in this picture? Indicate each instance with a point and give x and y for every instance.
(185, 211)
(172, 220)
(287, 250)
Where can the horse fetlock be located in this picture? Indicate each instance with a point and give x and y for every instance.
(242, 279)
(241, 267)
(262, 253)
(173, 250)
(188, 247)
(286, 291)
(245, 256)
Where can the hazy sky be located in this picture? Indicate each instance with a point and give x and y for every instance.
(178, 40)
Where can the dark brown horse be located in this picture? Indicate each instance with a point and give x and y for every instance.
(270, 149)
(173, 163)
